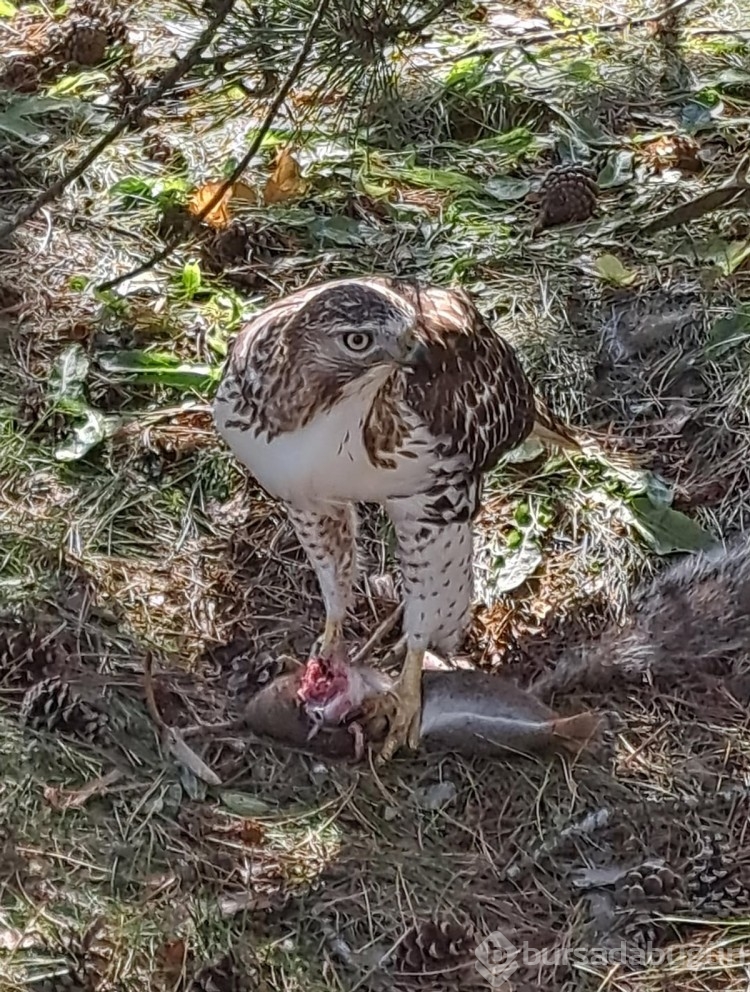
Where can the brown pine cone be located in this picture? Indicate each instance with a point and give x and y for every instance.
(243, 252)
(649, 885)
(643, 931)
(27, 655)
(568, 194)
(675, 151)
(11, 297)
(430, 947)
(53, 704)
(81, 41)
(227, 248)
(246, 670)
(717, 885)
(158, 149)
(127, 92)
(103, 15)
(175, 221)
(21, 73)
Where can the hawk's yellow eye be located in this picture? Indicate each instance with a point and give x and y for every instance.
(357, 341)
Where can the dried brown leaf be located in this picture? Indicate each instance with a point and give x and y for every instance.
(285, 182)
(218, 216)
(61, 799)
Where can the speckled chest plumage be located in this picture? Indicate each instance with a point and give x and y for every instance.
(390, 432)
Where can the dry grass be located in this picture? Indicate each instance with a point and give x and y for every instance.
(311, 876)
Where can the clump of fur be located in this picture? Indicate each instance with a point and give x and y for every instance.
(694, 613)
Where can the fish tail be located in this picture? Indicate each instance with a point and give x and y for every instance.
(576, 732)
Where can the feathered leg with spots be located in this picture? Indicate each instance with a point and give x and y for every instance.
(328, 537)
(436, 567)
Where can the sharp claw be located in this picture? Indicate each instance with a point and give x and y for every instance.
(404, 729)
(330, 644)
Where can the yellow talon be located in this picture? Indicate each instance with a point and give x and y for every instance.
(333, 636)
(404, 728)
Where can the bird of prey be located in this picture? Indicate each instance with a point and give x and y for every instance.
(390, 392)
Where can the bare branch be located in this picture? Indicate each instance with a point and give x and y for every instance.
(178, 70)
(246, 158)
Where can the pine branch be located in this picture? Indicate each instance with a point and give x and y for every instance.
(252, 151)
(178, 70)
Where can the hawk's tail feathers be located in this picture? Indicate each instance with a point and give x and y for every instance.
(553, 432)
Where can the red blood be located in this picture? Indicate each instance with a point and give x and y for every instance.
(321, 681)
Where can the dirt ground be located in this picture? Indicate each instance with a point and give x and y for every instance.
(127, 532)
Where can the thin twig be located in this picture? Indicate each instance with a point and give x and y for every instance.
(148, 689)
(383, 628)
(543, 37)
(170, 737)
(246, 158)
(178, 70)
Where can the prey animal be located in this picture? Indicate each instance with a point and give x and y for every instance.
(375, 390)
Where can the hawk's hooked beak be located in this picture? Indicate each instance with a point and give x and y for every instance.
(409, 351)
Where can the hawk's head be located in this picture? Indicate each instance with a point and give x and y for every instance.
(348, 329)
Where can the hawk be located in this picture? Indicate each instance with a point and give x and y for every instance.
(377, 390)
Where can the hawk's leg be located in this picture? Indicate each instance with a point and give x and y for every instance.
(328, 537)
(435, 551)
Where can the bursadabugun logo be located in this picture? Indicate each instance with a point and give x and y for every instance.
(496, 960)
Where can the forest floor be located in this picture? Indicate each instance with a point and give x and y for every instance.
(127, 531)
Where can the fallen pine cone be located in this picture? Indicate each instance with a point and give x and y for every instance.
(568, 194)
(21, 73)
(81, 41)
(53, 704)
(431, 947)
(674, 151)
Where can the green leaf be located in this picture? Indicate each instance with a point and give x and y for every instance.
(163, 369)
(727, 256)
(617, 170)
(522, 514)
(556, 16)
(244, 805)
(78, 284)
(466, 72)
(657, 489)
(195, 788)
(69, 373)
(610, 269)
(134, 192)
(668, 531)
(18, 117)
(511, 144)
(505, 188)
(443, 180)
(733, 77)
(517, 568)
(95, 428)
(82, 84)
(528, 451)
(583, 71)
(337, 230)
(728, 332)
(191, 279)
(7, 9)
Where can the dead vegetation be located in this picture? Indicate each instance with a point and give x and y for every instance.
(126, 530)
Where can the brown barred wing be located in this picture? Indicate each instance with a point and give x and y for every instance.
(471, 389)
